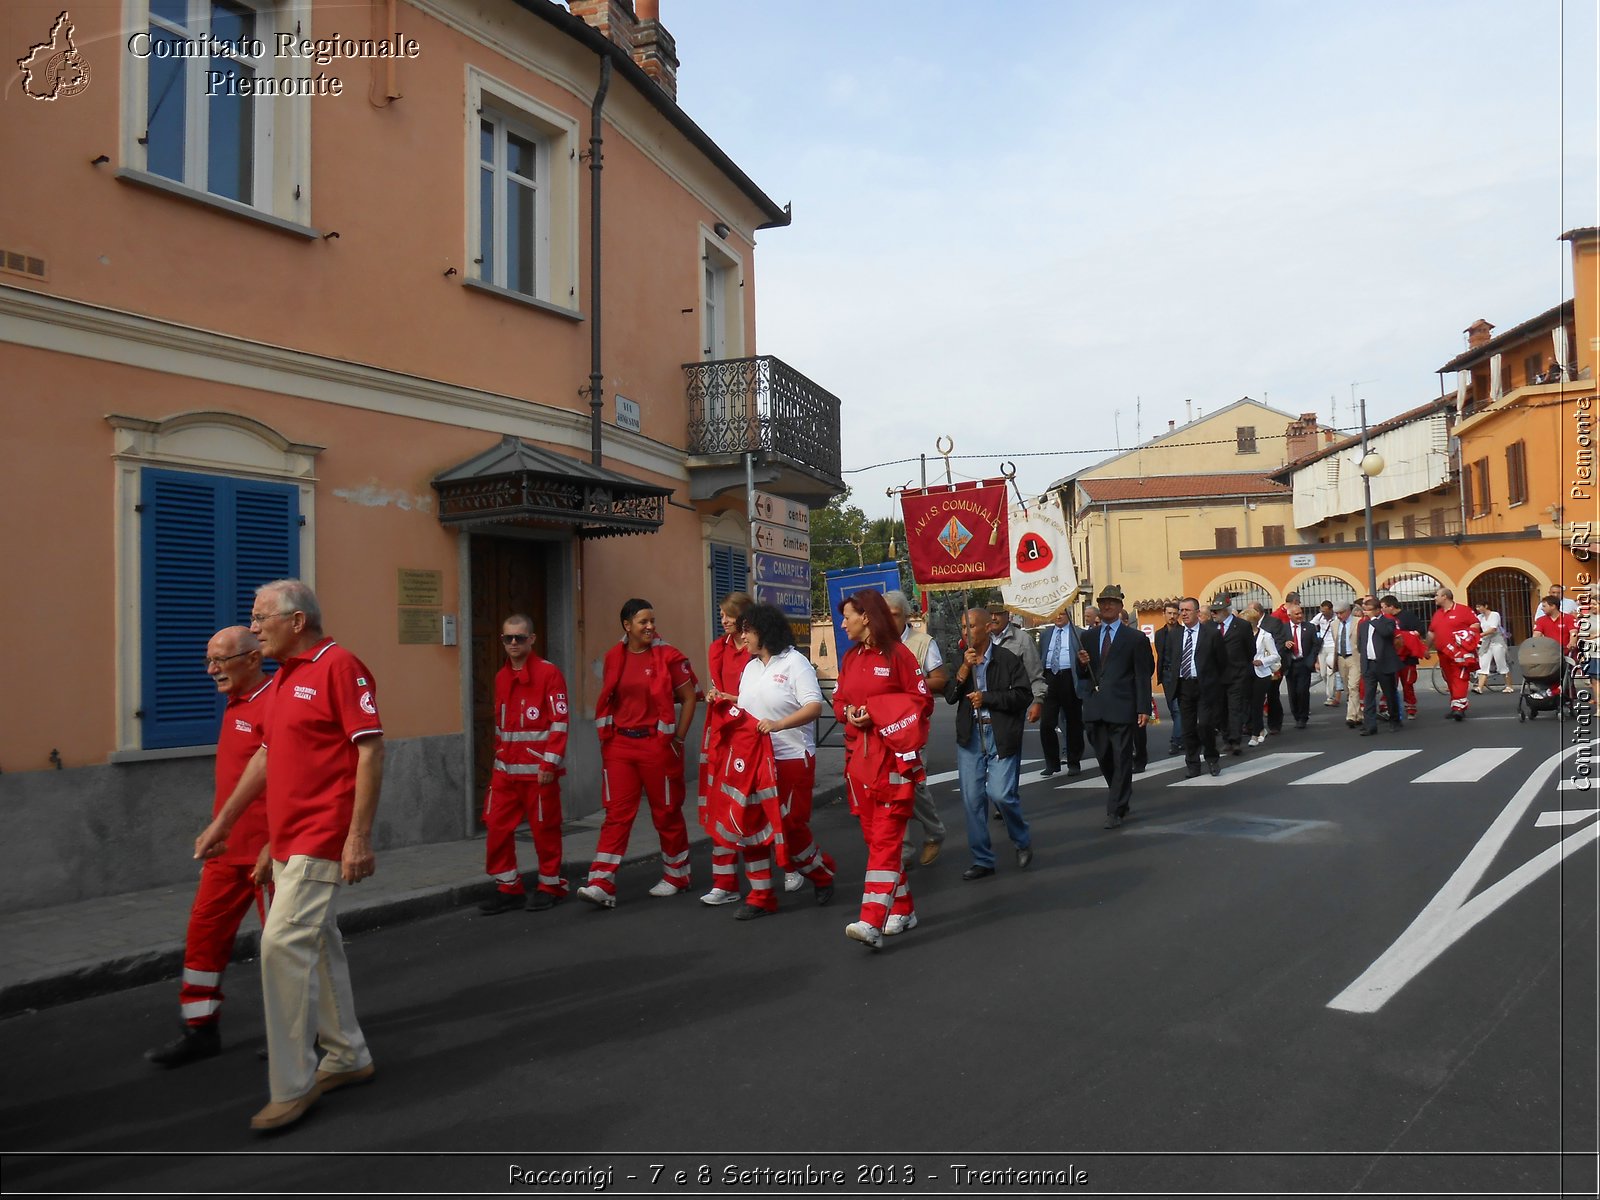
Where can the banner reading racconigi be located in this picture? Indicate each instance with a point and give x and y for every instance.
(957, 535)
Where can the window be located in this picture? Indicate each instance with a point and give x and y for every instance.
(1436, 522)
(722, 323)
(1272, 535)
(522, 231)
(1339, 537)
(1409, 526)
(730, 572)
(1517, 473)
(202, 122)
(513, 206)
(1227, 539)
(1380, 531)
(1476, 483)
(206, 543)
(1533, 369)
(1247, 439)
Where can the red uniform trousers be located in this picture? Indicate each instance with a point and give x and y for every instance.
(512, 800)
(1408, 687)
(225, 894)
(796, 780)
(1458, 678)
(883, 827)
(631, 767)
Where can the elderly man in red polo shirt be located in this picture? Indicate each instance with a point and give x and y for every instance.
(321, 766)
(229, 882)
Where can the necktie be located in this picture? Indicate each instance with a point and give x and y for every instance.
(1105, 646)
(1297, 641)
(1344, 638)
(1187, 670)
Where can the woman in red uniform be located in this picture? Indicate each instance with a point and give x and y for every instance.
(880, 676)
(727, 657)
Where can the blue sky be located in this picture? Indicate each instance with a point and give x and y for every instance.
(1018, 224)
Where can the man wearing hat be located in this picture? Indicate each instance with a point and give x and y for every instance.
(1115, 664)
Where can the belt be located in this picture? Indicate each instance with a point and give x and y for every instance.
(642, 731)
(982, 720)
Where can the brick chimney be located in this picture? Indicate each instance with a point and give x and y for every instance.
(637, 29)
(1479, 332)
(653, 48)
(1300, 437)
(614, 18)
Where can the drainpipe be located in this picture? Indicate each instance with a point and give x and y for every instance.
(596, 377)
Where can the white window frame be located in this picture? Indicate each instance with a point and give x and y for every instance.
(721, 300)
(556, 210)
(497, 272)
(281, 137)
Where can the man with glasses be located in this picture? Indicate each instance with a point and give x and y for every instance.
(530, 742)
(230, 882)
(321, 767)
(1194, 674)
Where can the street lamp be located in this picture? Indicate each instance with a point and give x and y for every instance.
(1371, 464)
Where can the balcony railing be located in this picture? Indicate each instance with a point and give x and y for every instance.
(762, 404)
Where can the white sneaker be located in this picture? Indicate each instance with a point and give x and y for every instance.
(862, 932)
(595, 894)
(792, 881)
(720, 896)
(899, 923)
(666, 888)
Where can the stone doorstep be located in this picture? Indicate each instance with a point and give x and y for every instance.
(62, 982)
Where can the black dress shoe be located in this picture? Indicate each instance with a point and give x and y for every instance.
(1214, 766)
(1369, 733)
(501, 902)
(1024, 857)
(1112, 822)
(1300, 724)
(1191, 770)
(972, 873)
(1074, 769)
(193, 1044)
(1237, 749)
(1048, 771)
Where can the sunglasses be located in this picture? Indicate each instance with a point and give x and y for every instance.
(512, 639)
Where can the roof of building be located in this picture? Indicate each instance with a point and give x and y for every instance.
(1516, 333)
(622, 62)
(1180, 487)
(1156, 441)
(1444, 403)
(1582, 234)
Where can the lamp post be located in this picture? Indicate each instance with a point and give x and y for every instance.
(1371, 464)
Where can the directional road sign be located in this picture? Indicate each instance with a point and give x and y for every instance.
(776, 539)
(776, 510)
(795, 602)
(783, 572)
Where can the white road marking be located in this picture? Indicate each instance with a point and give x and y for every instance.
(1233, 770)
(1450, 914)
(1356, 768)
(1094, 779)
(1469, 767)
(1567, 816)
(1584, 784)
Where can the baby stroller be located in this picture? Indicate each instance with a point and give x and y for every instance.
(1544, 677)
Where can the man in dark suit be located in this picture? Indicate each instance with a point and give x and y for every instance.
(1167, 638)
(992, 694)
(1058, 655)
(1193, 673)
(1239, 648)
(1380, 663)
(1116, 664)
(1301, 650)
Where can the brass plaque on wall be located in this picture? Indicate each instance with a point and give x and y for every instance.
(421, 589)
(421, 627)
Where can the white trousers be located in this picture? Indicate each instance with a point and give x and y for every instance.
(1492, 658)
(305, 980)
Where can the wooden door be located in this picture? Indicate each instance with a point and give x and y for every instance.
(508, 576)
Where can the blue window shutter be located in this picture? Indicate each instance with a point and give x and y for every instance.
(730, 572)
(207, 542)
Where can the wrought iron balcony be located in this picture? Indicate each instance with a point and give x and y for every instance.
(763, 406)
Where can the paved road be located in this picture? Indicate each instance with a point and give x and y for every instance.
(1375, 995)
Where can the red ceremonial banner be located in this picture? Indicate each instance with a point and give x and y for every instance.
(959, 535)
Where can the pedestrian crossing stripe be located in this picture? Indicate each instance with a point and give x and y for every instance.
(1567, 816)
(1468, 767)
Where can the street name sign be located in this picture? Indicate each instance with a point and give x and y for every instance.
(778, 539)
(783, 572)
(795, 602)
(776, 510)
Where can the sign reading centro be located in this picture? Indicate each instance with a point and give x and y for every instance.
(958, 535)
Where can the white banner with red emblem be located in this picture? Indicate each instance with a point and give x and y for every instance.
(1043, 576)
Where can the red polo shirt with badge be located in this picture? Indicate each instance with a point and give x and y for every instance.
(324, 701)
(244, 723)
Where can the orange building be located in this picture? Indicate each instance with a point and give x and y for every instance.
(446, 307)
(1489, 490)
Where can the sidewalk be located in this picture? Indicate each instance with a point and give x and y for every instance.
(52, 956)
